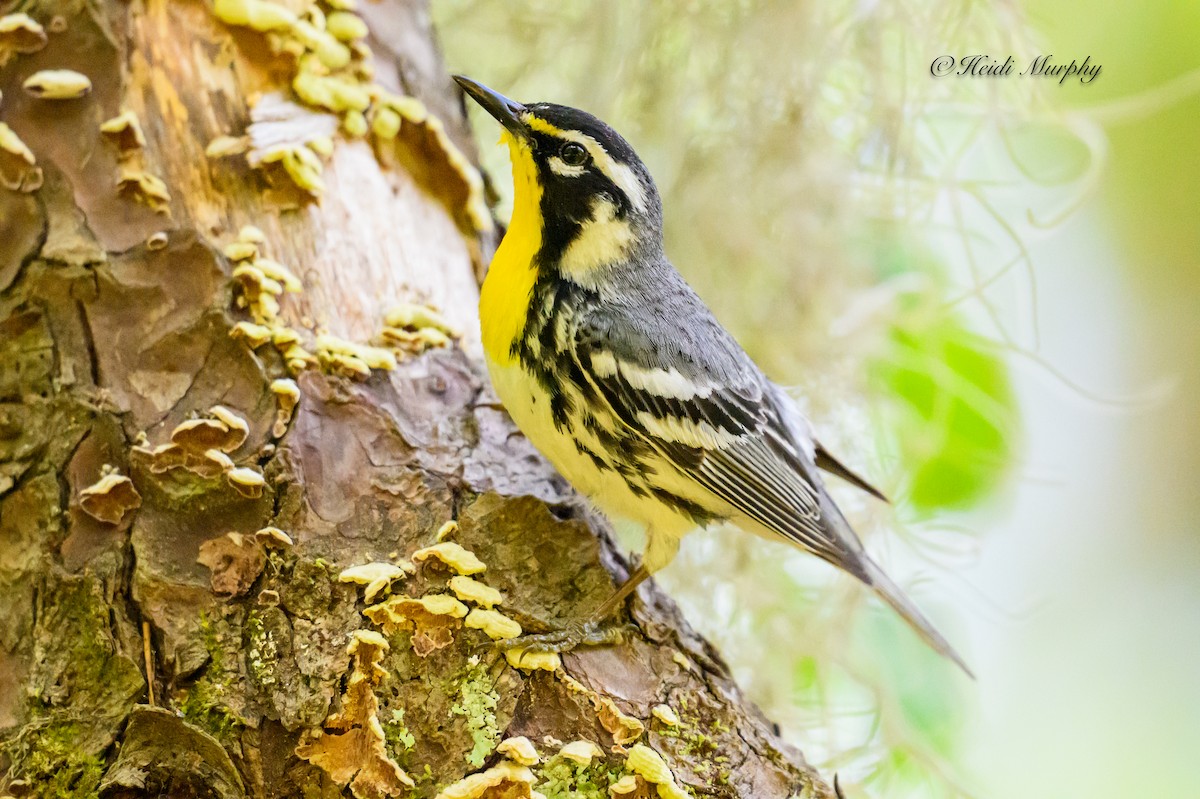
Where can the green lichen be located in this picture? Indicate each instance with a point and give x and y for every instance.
(261, 652)
(397, 736)
(204, 702)
(47, 754)
(560, 778)
(476, 703)
(80, 688)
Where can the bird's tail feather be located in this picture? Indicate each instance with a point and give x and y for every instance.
(890, 593)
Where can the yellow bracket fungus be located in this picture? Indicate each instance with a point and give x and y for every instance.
(446, 530)
(650, 766)
(110, 498)
(335, 93)
(626, 785)
(666, 715)
(504, 779)
(225, 146)
(458, 559)
(238, 429)
(355, 360)
(520, 750)
(203, 434)
(57, 84)
(20, 33)
(18, 167)
(256, 14)
(254, 335)
(581, 752)
(495, 624)
(246, 481)
(375, 576)
(279, 273)
(288, 394)
(352, 747)
(345, 26)
(471, 590)
(414, 316)
(433, 619)
(624, 729)
(141, 186)
(124, 131)
(355, 124)
(533, 661)
(240, 250)
(273, 537)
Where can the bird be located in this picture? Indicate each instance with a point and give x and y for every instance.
(620, 375)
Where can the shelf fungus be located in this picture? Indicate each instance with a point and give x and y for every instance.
(288, 395)
(254, 335)
(247, 481)
(351, 746)
(454, 556)
(124, 131)
(137, 184)
(471, 590)
(625, 786)
(225, 146)
(345, 26)
(433, 619)
(339, 356)
(375, 576)
(446, 530)
(110, 497)
(525, 660)
(18, 167)
(625, 729)
(666, 715)
(506, 779)
(20, 33)
(234, 560)
(494, 624)
(273, 538)
(411, 329)
(204, 434)
(520, 750)
(581, 752)
(57, 84)
(649, 765)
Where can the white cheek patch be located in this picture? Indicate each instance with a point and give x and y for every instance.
(602, 239)
(621, 175)
(564, 170)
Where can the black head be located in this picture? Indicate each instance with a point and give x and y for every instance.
(597, 199)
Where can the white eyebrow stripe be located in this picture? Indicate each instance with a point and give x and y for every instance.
(621, 175)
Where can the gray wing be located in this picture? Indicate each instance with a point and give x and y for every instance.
(688, 390)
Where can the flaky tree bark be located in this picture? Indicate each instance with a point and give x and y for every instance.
(159, 635)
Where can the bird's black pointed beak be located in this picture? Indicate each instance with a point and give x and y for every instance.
(507, 112)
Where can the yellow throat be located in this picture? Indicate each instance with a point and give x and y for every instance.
(505, 296)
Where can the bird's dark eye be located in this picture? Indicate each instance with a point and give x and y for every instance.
(573, 154)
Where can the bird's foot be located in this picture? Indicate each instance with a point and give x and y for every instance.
(575, 634)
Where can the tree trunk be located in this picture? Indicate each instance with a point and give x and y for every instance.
(175, 619)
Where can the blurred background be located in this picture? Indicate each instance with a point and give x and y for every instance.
(986, 293)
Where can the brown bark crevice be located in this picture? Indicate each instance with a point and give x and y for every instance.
(116, 324)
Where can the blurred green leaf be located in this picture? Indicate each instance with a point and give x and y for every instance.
(954, 412)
